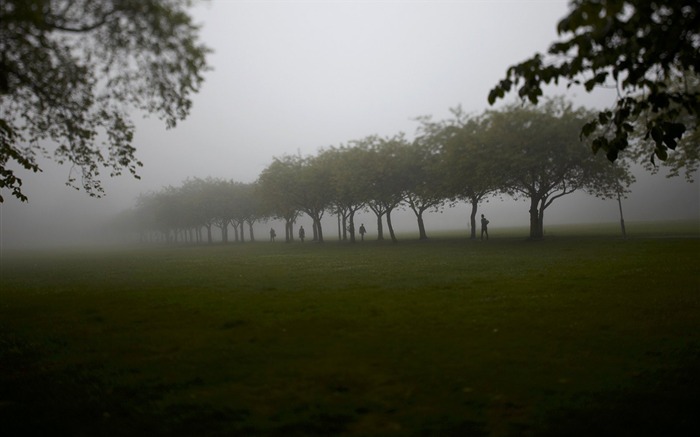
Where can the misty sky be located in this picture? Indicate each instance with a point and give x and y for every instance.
(294, 76)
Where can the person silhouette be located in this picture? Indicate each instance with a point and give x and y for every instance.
(302, 233)
(484, 227)
(363, 231)
(273, 234)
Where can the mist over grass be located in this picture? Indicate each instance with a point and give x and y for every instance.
(583, 333)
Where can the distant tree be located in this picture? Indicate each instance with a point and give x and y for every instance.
(71, 72)
(275, 184)
(224, 208)
(467, 167)
(647, 50)
(542, 158)
(350, 168)
(165, 212)
(301, 183)
(387, 178)
(316, 192)
(244, 209)
(253, 208)
(200, 206)
(425, 182)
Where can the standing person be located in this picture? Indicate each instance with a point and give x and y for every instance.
(484, 227)
(302, 233)
(273, 234)
(363, 231)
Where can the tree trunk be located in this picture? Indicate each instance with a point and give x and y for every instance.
(288, 231)
(380, 227)
(352, 226)
(345, 227)
(318, 231)
(224, 232)
(535, 222)
(421, 226)
(390, 226)
(340, 233)
(241, 225)
(379, 213)
(622, 219)
(472, 219)
(250, 229)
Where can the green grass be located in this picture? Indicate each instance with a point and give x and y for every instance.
(574, 335)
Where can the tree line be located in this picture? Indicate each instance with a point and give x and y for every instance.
(523, 151)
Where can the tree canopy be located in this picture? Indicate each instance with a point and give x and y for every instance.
(469, 170)
(71, 72)
(542, 159)
(647, 50)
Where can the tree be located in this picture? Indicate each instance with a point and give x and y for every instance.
(71, 72)
(315, 193)
(387, 179)
(244, 209)
(200, 206)
(468, 170)
(205, 200)
(648, 50)
(425, 188)
(298, 184)
(539, 152)
(350, 168)
(275, 184)
(164, 212)
(686, 157)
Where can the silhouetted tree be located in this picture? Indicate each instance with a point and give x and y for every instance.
(350, 169)
(274, 185)
(72, 72)
(425, 181)
(387, 179)
(543, 159)
(469, 171)
(647, 50)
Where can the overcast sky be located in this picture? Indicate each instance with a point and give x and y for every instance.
(294, 76)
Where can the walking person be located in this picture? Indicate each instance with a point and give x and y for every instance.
(484, 227)
(302, 233)
(363, 231)
(273, 234)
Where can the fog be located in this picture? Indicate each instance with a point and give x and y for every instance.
(293, 77)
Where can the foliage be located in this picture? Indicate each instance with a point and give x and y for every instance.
(350, 169)
(468, 169)
(647, 50)
(72, 71)
(388, 179)
(305, 184)
(426, 185)
(275, 183)
(179, 213)
(541, 157)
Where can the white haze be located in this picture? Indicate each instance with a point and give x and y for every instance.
(294, 76)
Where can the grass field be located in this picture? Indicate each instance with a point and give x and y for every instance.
(580, 334)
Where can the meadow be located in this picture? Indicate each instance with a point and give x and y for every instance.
(583, 333)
